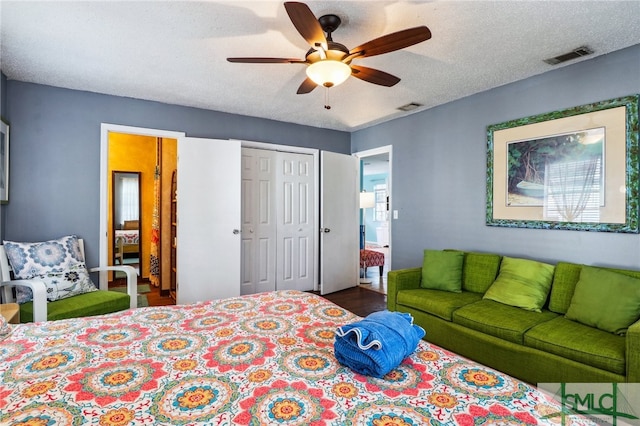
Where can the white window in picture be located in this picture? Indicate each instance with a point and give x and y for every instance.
(381, 213)
(128, 199)
(574, 190)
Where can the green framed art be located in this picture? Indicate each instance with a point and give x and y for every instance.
(574, 169)
(4, 162)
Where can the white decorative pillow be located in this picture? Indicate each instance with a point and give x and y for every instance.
(58, 263)
(5, 328)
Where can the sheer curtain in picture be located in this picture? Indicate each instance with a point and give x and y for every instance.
(128, 199)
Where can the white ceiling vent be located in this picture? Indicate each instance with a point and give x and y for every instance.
(410, 107)
(574, 54)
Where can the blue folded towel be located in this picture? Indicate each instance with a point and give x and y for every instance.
(378, 343)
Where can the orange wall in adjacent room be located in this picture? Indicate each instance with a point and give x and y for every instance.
(137, 153)
(134, 153)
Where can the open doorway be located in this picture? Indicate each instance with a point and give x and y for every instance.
(375, 179)
(150, 155)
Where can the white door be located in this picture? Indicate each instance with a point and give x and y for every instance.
(208, 216)
(296, 206)
(258, 248)
(339, 222)
(278, 226)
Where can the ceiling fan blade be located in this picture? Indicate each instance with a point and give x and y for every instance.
(390, 42)
(374, 76)
(267, 60)
(307, 86)
(306, 23)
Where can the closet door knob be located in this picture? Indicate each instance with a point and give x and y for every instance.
(236, 231)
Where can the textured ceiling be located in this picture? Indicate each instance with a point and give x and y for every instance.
(175, 51)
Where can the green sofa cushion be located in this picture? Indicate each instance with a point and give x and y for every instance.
(500, 320)
(83, 305)
(436, 302)
(442, 270)
(522, 283)
(606, 300)
(565, 279)
(580, 343)
(479, 271)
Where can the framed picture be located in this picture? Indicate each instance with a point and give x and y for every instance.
(4, 162)
(573, 169)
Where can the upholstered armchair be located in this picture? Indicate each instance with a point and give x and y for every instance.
(58, 293)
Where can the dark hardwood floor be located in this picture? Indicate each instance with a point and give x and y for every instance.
(358, 300)
(155, 298)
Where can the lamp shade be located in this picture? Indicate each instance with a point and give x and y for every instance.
(367, 200)
(328, 72)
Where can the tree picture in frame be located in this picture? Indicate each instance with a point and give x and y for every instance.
(4, 162)
(574, 169)
(563, 173)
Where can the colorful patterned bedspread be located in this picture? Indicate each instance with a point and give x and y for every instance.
(129, 236)
(264, 359)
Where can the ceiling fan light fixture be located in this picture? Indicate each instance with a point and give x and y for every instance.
(328, 72)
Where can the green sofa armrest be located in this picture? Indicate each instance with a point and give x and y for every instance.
(401, 279)
(632, 351)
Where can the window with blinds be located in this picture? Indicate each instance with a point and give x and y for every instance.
(381, 212)
(574, 190)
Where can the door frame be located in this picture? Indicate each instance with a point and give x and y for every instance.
(387, 149)
(105, 129)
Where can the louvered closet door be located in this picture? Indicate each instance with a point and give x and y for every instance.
(295, 207)
(258, 221)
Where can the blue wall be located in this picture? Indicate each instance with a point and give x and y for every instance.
(3, 98)
(440, 189)
(55, 152)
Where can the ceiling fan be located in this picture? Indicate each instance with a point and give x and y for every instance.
(329, 63)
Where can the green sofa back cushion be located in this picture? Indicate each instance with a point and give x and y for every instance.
(565, 279)
(522, 283)
(480, 271)
(442, 270)
(606, 300)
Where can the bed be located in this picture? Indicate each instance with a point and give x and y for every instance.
(130, 239)
(259, 359)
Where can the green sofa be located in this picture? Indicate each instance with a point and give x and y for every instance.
(537, 347)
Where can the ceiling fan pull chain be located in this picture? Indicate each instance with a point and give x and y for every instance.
(326, 98)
